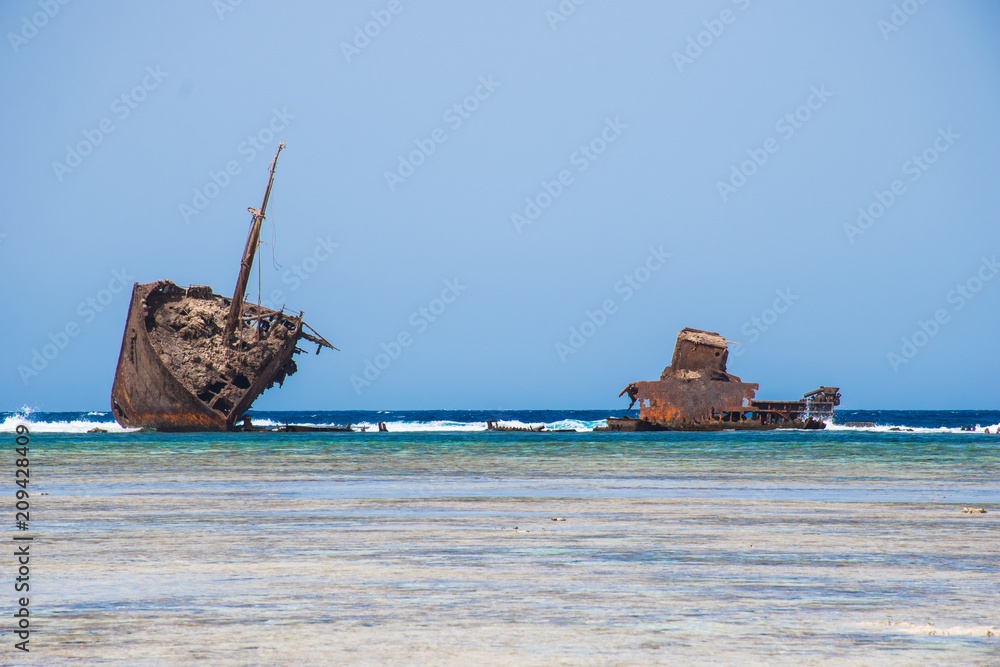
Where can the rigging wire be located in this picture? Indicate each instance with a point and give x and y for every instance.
(274, 234)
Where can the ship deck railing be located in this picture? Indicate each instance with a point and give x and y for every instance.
(755, 413)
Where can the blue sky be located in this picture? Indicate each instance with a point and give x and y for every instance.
(534, 196)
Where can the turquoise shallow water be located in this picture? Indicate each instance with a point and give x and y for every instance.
(790, 465)
(845, 546)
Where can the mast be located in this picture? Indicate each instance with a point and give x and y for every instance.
(249, 252)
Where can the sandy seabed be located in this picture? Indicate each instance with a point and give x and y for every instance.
(214, 560)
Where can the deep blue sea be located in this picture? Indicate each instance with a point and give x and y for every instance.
(441, 421)
(439, 542)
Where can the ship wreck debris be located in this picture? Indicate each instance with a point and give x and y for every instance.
(696, 393)
(192, 360)
(494, 425)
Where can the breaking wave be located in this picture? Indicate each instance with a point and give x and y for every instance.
(439, 425)
(894, 428)
(60, 422)
(469, 421)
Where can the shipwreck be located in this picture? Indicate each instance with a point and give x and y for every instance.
(696, 393)
(192, 360)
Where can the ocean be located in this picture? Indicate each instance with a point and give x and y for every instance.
(440, 543)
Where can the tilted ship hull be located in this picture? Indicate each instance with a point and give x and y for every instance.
(192, 360)
(175, 375)
(696, 393)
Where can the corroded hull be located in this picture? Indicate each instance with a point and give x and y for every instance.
(696, 393)
(675, 400)
(147, 392)
(192, 360)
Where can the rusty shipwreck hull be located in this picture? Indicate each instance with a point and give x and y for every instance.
(147, 392)
(696, 393)
(192, 360)
(673, 400)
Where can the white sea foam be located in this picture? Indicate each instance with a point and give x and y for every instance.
(437, 426)
(25, 417)
(443, 426)
(73, 426)
(415, 427)
(30, 417)
(263, 422)
(886, 428)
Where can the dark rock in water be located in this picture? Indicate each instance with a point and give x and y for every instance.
(97, 429)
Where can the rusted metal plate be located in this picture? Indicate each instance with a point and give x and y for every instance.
(697, 350)
(145, 394)
(672, 399)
